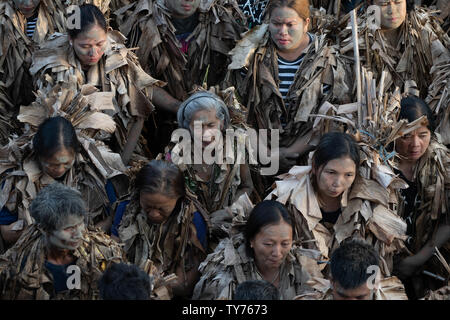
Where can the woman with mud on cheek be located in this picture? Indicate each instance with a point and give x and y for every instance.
(59, 250)
(54, 157)
(165, 224)
(92, 54)
(264, 250)
(424, 163)
(216, 183)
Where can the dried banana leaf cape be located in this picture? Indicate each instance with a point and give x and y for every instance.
(23, 275)
(169, 245)
(220, 191)
(259, 89)
(229, 265)
(147, 24)
(118, 73)
(432, 175)
(21, 174)
(440, 294)
(409, 62)
(365, 214)
(390, 288)
(15, 58)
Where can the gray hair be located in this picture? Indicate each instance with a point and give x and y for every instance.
(54, 204)
(203, 100)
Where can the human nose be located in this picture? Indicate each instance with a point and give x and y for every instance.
(276, 252)
(283, 29)
(415, 141)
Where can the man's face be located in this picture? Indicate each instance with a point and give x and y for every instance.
(360, 293)
(393, 13)
(182, 8)
(27, 7)
(69, 235)
(412, 146)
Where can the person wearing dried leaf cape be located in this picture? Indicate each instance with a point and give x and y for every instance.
(54, 153)
(184, 43)
(331, 201)
(96, 55)
(354, 274)
(57, 252)
(166, 226)
(410, 45)
(288, 74)
(264, 251)
(218, 174)
(424, 164)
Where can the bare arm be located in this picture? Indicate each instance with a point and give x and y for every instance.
(164, 101)
(246, 185)
(185, 286)
(10, 236)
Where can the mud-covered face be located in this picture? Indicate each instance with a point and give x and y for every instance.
(272, 244)
(210, 124)
(287, 29)
(27, 7)
(336, 176)
(182, 8)
(413, 145)
(393, 13)
(69, 235)
(58, 163)
(90, 46)
(158, 207)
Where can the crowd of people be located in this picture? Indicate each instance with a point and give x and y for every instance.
(101, 199)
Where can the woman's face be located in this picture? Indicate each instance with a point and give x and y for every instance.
(413, 145)
(27, 7)
(393, 13)
(182, 8)
(158, 207)
(272, 244)
(90, 46)
(335, 177)
(210, 124)
(287, 29)
(58, 163)
(69, 235)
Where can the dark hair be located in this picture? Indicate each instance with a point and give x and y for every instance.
(256, 290)
(350, 262)
(90, 16)
(412, 108)
(53, 135)
(124, 282)
(163, 177)
(54, 204)
(335, 145)
(264, 213)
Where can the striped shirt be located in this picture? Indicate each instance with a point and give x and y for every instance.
(31, 26)
(287, 70)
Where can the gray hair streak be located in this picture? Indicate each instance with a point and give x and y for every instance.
(203, 100)
(54, 204)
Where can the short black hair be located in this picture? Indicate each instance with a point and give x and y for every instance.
(264, 213)
(90, 16)
(124, 282)
(351, 261)
(412, 108)
(54, 134)
(256, 290)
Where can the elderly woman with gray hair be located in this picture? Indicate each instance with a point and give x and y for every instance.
(217, 181)
(57, 257)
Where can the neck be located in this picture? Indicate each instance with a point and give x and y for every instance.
(407, 166)
(295, 53)
(58, 256)
(392, 36)
(330, 204)
(267, 273)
